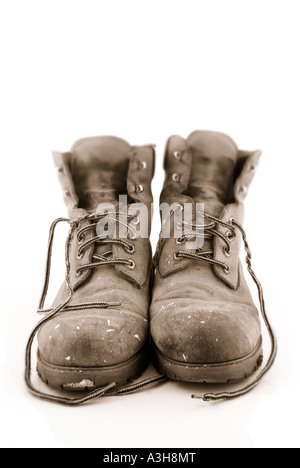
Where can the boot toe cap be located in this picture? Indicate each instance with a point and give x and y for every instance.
(201, 334)
(92, 340)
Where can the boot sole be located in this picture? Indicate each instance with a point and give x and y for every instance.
(82, 378)
(217, 373)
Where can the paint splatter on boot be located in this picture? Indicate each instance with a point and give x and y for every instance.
(96, 332)
(205, 326)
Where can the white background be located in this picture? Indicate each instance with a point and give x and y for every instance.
(143, 70)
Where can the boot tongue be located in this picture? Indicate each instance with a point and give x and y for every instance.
(99, 168)
(214, 157)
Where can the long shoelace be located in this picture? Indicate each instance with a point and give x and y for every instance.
(99, 260)
(210, 231)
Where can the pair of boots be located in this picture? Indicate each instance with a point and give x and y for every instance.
(204, 326)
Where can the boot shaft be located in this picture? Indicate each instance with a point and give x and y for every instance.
(207, 167)
(205, 327)
(100, 169)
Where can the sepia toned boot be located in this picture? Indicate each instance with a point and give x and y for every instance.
(96, 332)
(205, 326)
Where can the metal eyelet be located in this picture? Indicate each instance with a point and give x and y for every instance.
(177, 155)
(176, 256)
(131, 264)
(180, 241)
(78, 273)
(242, 189)
(80, 257)
(229, 236)
(176, 177)
(226, 252)
(80, 239)
(136, 220)
(132, 236)
(130, 249)
(226, 269)
(142, 165)
(139, 188)
(178, 207)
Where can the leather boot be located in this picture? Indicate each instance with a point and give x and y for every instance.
(205, 326)
(96, 332)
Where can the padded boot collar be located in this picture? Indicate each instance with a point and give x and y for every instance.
(177, 164)
(139, 177)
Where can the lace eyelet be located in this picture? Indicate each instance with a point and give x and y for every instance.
(130, 249)
(180, 240)
(229, 236)
(132, 236)
(131, 264)
(179, 225)
(78, 273)
(136, 220)
(177, 155)
(80, 239)
(139, 188)
(80, 257)
(142, 165)
(176, 177)
(226, 269)
(176, 256)
(226, 252)
(243, 189)
(178, 207)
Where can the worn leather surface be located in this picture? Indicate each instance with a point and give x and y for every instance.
(246, 166)
(99, 169)
(200, 314)
(197, 318)
(98, 337)
(232, 211)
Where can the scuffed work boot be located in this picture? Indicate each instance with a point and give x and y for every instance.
(96, 332)
(204, 324)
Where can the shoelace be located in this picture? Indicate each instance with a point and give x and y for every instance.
(210, 230)
(99, 260)
(112, 389)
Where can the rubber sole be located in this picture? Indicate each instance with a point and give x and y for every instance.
(81, 378)
(217, 373)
